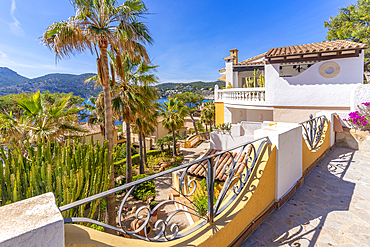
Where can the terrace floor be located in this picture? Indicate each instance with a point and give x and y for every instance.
(331, 208)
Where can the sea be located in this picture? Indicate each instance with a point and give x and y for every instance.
(161, 101)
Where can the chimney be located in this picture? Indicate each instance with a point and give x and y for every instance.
(234, 52)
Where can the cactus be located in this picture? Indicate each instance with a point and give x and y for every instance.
(255, 80)
(72, 172)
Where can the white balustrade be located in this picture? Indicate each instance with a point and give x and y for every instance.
(241, 94)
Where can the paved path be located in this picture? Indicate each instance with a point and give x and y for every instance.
(191, 154)
(331, 208)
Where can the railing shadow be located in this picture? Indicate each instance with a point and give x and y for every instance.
(299, 222)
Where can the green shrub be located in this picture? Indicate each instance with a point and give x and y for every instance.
(122, 154)
(120, 166)
(201, 198)
(144, 189)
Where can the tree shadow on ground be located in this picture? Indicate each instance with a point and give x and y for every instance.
(300, 221)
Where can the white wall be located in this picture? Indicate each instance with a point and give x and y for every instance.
(311, 89)
(239, 114)
(229, 72)
(288, 141)
(359, 95)
(36, 221)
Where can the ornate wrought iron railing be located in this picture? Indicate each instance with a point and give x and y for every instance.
(235, 176)
(313, 131)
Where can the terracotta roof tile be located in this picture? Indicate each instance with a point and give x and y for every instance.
(335, 45)
(250, 61)
(200, 169)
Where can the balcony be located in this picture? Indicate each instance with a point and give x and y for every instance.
(247, 96)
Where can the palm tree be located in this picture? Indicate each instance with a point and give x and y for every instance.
(192, 102)
(173, 113)
(39, 119)
(208, 113)
(100, 24)
(145, 119)
(131, 72)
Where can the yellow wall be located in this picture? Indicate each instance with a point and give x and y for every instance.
(219, 109)
(256, 196)
(309, 156)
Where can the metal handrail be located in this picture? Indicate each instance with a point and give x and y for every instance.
(233, 184)
(313, 130)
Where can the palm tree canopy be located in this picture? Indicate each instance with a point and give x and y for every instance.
(100, 23)
(174, 113)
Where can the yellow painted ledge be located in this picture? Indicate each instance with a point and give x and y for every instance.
(310, 156)
(256, 196)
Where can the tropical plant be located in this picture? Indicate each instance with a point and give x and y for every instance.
(208, 113)
(39, 119)
(352, 23)
(144, 190)
(146, 119)
(71, 172)
(129, 95)
(100, 25)
(173, 114)
(192, 102)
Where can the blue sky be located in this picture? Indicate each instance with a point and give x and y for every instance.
(190, 36)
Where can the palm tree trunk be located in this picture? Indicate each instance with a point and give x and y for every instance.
(111, 205)
(195, 126)
(210, 125)
(206, 127)
(128, 154)
(174, 144)
(145, 156)
(141, 153)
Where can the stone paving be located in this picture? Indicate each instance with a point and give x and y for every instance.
(331, 208)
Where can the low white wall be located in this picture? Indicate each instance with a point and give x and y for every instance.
(359, 95)
(225, 141)
(288, 141)
(36, 221)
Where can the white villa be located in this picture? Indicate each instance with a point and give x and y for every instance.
(298, 81)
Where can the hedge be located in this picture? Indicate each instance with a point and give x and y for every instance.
(135, 159)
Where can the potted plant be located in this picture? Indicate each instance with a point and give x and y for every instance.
(152, 205)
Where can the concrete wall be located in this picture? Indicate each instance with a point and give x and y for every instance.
(310, 88)
(288, 141)
(35, 222)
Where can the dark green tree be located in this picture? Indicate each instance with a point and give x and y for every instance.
(352, 23)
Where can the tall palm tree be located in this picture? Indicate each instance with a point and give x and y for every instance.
(173, 114)
(145, 119)
(131, 73)
(100, 25)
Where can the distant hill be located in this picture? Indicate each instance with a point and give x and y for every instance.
(10, 77)
(12, 82)
(166, 90)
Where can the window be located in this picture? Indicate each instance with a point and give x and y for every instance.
(290, 70)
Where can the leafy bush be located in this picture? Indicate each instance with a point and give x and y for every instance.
(122, 154)
(120, 166)
(144, 189)
(360, 119)
(201, 198)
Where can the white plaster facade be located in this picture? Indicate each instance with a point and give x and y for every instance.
(36, 221)
(282, 97)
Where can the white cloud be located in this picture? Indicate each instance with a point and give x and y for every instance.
(3, 55)
(16, 25)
